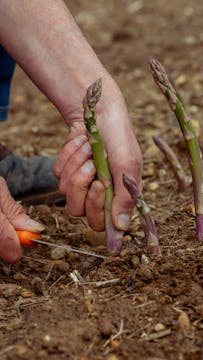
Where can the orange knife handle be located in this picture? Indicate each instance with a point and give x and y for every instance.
(26, 236)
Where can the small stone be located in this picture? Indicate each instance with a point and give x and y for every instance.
(9, 290)
(26, 293)
(184, 321)
(145, 259)
(114, 343)
(190, 40)
(58, 253)
(94, 238)
(127, 238)
(145, 272)
(63, 266)
(37, 285)
(19, 276)
(153, 186)
(181, 79)
(112, 357)
(47, 338)
(105, 327)
(159, 327)
(124, 253)
(135, 261)
(43, 209)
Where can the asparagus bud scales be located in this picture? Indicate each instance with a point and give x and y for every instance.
(114, 237)
(194, 152)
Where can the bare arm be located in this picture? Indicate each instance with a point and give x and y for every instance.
(44, 39)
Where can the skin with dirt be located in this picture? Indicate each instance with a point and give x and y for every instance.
(154, 310)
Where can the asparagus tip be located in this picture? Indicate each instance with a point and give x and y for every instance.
(94, 93)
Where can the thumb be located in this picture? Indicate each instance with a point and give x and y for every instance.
(10, 249)
(14, 212)
(12, 216)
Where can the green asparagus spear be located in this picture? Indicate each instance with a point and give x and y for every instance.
(147, 222)
(194, 152)
(114, 238)
(183, 181)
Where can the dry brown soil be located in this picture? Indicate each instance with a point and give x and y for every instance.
(43, 313)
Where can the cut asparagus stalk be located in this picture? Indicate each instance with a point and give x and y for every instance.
(114, 238)
(194, 152)
(151, 240)
(183, 181)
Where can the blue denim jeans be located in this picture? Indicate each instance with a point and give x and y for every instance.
(7, 65)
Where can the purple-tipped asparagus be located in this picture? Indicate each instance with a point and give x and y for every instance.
(114, 238)
(194, 152)
(147, 222)
(183, 181)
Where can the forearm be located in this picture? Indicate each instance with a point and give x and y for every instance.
(46, 42)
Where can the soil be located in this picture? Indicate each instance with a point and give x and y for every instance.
(154, 310)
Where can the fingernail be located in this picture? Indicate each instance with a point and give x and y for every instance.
(88, 167)
(34, 225)
(79, 140)
(124, 221)
(86, 148)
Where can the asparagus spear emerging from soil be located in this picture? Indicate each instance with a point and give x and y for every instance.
(194, 152)
(183, 181)
(114, 238)
(147, 222)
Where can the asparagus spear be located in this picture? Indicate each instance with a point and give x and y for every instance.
(194, 152)
(147, 222)
(183, 180)
(114, 238)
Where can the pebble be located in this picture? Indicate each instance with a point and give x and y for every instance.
(127, 238)
(135, 261)
(37, 285)
(145, 259)
(112, 357)
(26, 293)
(184, 321)
(58, 253)
(159, 327)
(153, 186)
(19, 276)
(145, 272)
(95, 238)
(105, 327)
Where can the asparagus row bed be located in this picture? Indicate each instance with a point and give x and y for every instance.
(183, 181)
(114, 238)
(151, 240)
(195, 157)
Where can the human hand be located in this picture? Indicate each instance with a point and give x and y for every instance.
(75, 168)
(12, 216)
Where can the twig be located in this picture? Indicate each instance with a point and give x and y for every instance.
(113, 337)
(55, 282)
